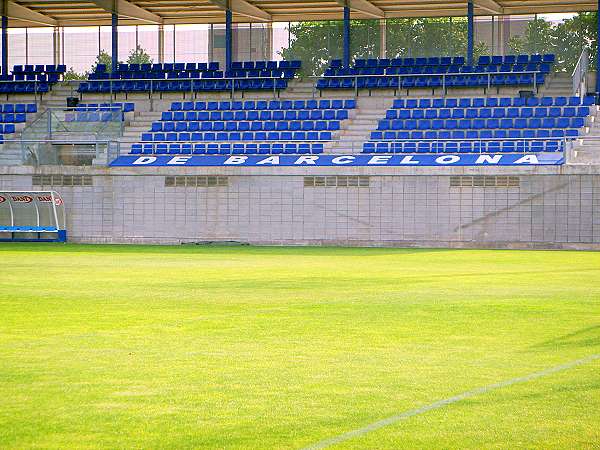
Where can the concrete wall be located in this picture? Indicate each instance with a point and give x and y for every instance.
(551, 207)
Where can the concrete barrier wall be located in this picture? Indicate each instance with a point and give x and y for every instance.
(535, 208)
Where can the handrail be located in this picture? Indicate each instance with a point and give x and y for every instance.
(443, 76)
(359, 145)
(579, 75)
(154, 81)
(50, 115)
(97, 144)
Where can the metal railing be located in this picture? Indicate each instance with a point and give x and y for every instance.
(77, 124)
(151, 85)
(36, 89)
(478, 146)
(435, 146)
(443, 79)
(579, 75)
(58, 151)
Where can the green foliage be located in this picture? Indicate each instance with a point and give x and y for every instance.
(136, 56)
(278, 348)
(139, 56)
(72, 75)
(566, 39)
(316, 43)
(428, 37)
(538, 38)
(102, 58)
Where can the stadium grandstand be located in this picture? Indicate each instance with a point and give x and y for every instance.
(299, 224)
(348, 122)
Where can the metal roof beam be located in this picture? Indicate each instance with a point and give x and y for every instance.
(243, 8)
(18, 12)
(364, 7)
(126, 9)
(490, 6)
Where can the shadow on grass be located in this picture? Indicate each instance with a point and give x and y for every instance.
(585, 337)
(216, 248)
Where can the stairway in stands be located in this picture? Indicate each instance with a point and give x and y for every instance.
(357, 129)
(586, 151)
(141, 123)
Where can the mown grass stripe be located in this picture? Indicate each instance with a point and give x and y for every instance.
(447, 401)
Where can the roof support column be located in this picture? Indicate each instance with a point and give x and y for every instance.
(56, 46)
(382, 38)
(5, 70)
(598, 55)
(346, 58)
(228, 37)
(115, 40)
(470, 32)
(161, 44)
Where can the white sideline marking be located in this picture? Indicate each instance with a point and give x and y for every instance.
(441, 403)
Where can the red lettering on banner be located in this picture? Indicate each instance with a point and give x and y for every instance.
(2, 199)
(21, 199)
(45, 199)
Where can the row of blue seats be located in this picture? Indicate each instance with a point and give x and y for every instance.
(466, 124)
(295, 125)
(18, 108)
(249, 65)
(264, 73)
(181, 86)
(39, 68)
(143, 75)
(516, 59)
(41, 78)
(445, 61)
(264, 105)
(160, 67)
(13, 118)
(24, 87)
(191, 66)
(94, 116)
(7, 128)
(488, 113)
(430, 81)
(439, 70)
(239, 136)
(255, 115)
(125, 107)
(187, 74)
(26, 229)
(524, 146)
(476, 134)
(397, 62)
(491, 102)
(201, 148)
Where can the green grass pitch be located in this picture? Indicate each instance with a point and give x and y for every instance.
(277, 348)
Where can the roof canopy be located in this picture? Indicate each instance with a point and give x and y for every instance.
(28, 13)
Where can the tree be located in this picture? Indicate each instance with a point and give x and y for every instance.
(72, 75)
(139, 56)
(566, 40)
(538, 39)
(316, 43)
(572, 36)
(102, 58)
(423, 37)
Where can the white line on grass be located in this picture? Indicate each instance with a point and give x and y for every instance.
(441, 403)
